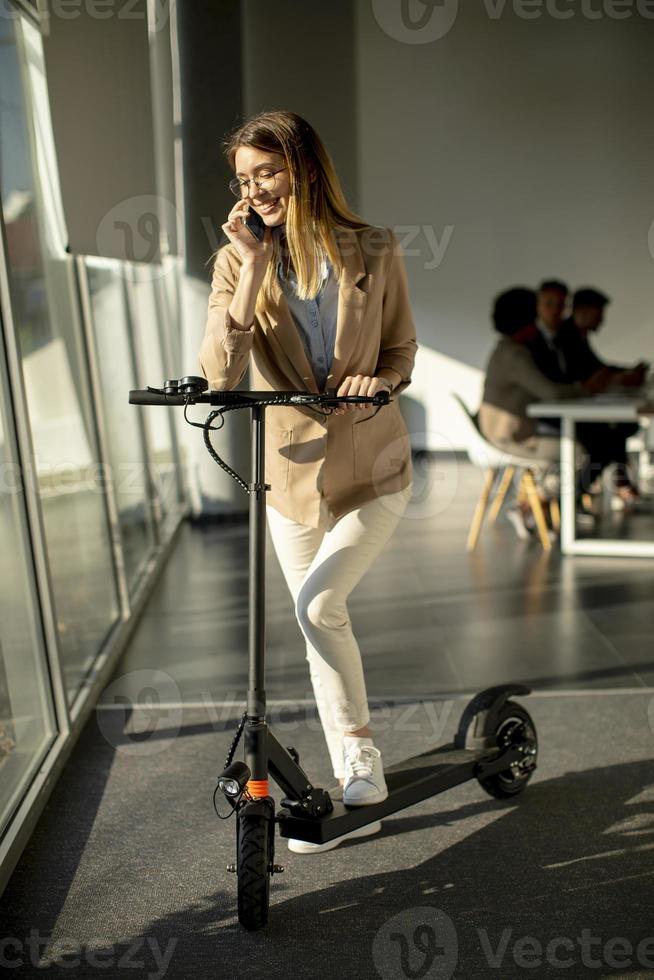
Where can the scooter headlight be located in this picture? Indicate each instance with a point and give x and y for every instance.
(234, 779)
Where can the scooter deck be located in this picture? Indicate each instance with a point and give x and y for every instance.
(409, 782)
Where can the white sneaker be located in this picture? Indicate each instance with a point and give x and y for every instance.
(305, 847)
(364, 773)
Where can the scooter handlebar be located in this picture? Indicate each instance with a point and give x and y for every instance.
(148, 396)
(171, 394)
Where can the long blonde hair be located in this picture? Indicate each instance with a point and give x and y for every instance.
(317, 208)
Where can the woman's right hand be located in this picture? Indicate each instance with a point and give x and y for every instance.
(251, 250)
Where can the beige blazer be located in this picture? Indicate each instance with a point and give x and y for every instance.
(347, 459)
(513, 381)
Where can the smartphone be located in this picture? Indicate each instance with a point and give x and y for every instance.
(255, 223)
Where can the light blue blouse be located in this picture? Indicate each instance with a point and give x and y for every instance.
(315, 320)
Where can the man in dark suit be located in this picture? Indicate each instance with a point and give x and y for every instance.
(581, 360)
(551, 305)
(569, 358)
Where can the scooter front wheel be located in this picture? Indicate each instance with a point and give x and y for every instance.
(515, 727)
(254, 864)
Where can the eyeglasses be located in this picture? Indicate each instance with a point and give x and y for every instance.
(265, 181)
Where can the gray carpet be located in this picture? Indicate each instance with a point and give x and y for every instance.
(125, 872)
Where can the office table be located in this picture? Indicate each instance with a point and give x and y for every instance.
(598, 408)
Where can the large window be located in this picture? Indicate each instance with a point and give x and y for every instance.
(111, 332)
(90, 489)
(27, 723)
(49, 340)
(148, 306)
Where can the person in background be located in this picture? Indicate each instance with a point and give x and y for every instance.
(513, 381)
(551, 307)
(588, 306)
(606, 442)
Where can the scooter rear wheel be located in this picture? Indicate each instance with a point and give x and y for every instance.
(253, 866)
(514, 727)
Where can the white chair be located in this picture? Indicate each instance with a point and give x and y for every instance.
(499, 471)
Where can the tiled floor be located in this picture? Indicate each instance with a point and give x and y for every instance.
(126, 869)
(430, 618)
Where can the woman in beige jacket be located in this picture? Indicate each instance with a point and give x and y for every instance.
(320, 304)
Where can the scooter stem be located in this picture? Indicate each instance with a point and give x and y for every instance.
(255, 745)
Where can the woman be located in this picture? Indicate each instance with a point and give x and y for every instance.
(321, 303)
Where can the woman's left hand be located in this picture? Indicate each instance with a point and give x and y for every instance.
(360, 384)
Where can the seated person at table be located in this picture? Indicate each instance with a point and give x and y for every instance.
(605, 442)
(514, 380)
(588, 307)
(551, 306)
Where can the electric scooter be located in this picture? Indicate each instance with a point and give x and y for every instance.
(496, 741)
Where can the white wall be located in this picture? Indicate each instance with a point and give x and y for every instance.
(531, 140)
(308, 66)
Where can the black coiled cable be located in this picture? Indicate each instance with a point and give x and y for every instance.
(207, 427)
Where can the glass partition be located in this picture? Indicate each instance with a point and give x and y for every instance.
(149, 326)
(27, 719)
(27, 722)
(110, 326)
(50, 347)
(73, 332)
(168, 287)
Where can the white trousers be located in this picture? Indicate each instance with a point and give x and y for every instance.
(321, 567)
